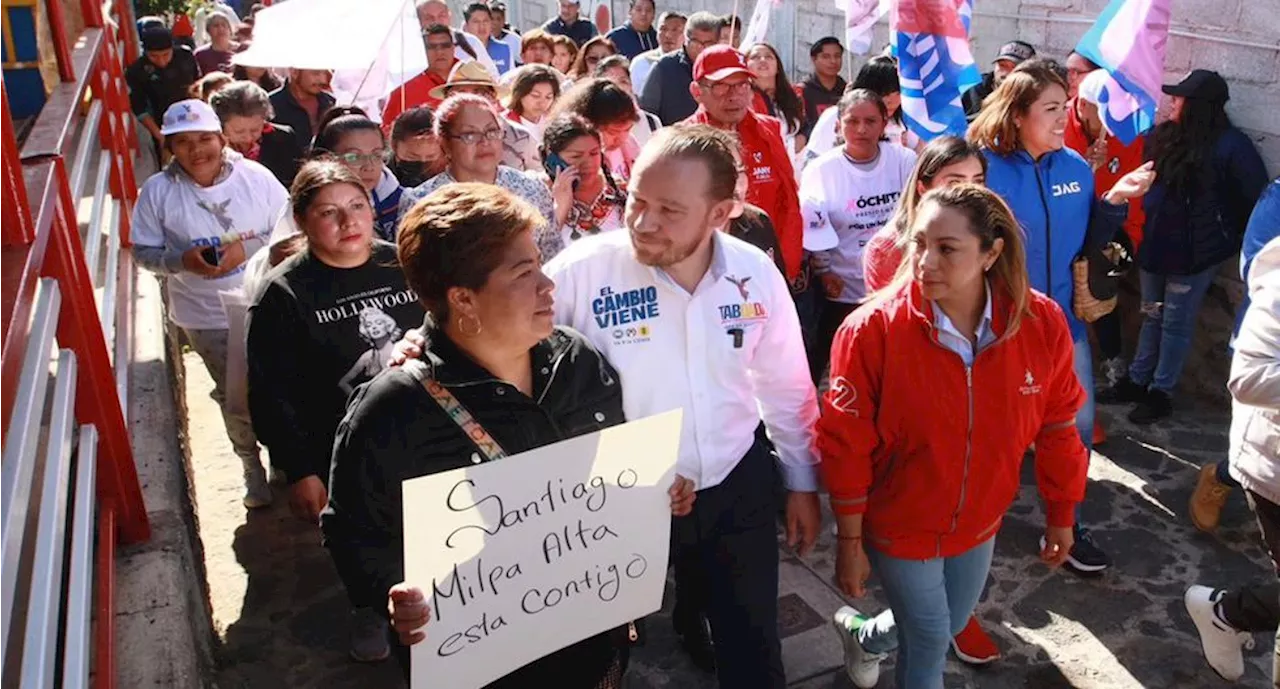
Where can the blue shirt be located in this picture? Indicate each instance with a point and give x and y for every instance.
(949, 335)
(500, 53)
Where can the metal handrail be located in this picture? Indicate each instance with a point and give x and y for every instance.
(18, 466)
(40, 646)
(62, 518)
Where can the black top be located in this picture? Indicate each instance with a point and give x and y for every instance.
(153, 89)
(295, 117)
(315, 333)
(666, 92)
(972, 99)
(818, 98)
(755, 228)
(395, 431)
(280, 152)
(580, 31)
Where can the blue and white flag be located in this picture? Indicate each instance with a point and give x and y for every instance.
(1128, 41)
(935, 65)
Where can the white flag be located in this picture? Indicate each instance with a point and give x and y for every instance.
(860, 17)
(758, 26)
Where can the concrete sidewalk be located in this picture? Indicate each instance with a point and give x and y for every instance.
(280, 613)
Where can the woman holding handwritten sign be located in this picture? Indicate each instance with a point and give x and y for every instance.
(495, 378)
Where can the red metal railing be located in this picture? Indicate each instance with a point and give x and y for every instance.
(40, 239)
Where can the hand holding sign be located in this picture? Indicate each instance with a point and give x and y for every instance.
(515, 559)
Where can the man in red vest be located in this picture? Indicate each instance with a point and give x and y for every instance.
(722, 87)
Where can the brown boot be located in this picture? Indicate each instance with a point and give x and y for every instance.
(1207, 500)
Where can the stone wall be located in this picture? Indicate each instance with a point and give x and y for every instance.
(1238, 38)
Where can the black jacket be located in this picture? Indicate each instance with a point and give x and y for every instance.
(1189, 231)
(666, 92)
(153, 89)
(395, 431)
(972, 99)
(295, 117)
(281, 153)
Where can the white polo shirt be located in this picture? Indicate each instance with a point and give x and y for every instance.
(730, 354)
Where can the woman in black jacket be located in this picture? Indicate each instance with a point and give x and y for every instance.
(245, 113)
(1208, 178)
(324, 324)
(469, 253)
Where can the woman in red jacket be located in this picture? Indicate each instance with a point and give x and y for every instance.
(922, 441)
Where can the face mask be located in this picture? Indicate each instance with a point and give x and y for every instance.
(411, 173)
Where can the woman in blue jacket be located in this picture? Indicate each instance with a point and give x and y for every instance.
(1050, 189)
(1210, 177)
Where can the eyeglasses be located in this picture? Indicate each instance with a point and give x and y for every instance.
(440, 46)
(721, 89)
(473, 138)
(360, 159)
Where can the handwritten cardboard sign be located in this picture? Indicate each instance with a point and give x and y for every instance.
(521, 557)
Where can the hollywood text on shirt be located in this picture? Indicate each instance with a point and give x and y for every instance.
(623, 313)
(352, 305)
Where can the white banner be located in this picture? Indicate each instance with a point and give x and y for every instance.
(758, 26)
(521, 557)
(860, 17)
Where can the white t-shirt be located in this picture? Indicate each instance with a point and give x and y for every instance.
(844, 204)
(824, 137)
(642, 66)
(172, 212)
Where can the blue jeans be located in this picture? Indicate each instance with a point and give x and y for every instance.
(1083, 364)
(1170, 304)
(931, 602)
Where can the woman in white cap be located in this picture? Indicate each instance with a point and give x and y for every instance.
(198, 221)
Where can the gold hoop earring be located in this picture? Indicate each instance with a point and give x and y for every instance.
(463, 330)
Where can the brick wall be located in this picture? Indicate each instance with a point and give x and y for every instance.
(1238, 38)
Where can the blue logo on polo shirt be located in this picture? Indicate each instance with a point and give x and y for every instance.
(632, 306)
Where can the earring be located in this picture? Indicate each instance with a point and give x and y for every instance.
(463, 330)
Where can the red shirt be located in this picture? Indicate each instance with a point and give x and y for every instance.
(930, 451)
(413, 93)
(1121, 160)
(771, 181)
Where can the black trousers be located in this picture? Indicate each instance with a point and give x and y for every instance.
(725, 555)
(1256, 607)
(833, 314)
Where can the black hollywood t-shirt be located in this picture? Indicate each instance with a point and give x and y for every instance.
(315, 334)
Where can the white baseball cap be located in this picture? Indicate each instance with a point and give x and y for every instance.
(192, 115)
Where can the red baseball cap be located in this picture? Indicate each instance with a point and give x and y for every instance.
(719, 62)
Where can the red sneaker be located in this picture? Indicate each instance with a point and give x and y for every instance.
(973, 646)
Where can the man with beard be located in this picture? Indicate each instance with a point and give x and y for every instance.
(302, 101)
(674, 289)
(694, 318)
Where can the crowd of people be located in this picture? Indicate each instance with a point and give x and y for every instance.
(941, 294)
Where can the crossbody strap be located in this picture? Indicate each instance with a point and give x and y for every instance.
(456, 411)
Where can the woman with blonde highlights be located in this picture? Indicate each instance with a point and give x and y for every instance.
(922, 441)
(1050, 190)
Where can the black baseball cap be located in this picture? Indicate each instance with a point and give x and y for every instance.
(156, 38)
(1200, 83)
(1016, 52)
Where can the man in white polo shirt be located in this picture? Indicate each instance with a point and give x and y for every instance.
(694, 318)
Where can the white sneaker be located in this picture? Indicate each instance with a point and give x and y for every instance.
(863, 668)
(1221, 642)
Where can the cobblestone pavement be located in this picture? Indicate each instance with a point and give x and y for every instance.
(280, 614)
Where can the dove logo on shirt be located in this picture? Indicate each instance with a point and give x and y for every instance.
(612, 309)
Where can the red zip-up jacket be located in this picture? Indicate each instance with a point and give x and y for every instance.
(771, 181)
(929, 450)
